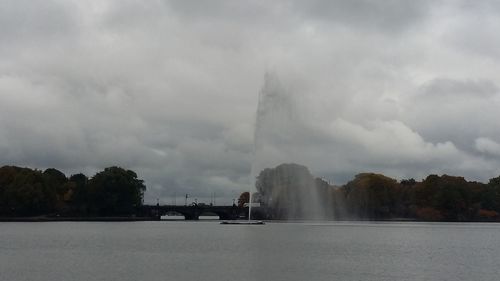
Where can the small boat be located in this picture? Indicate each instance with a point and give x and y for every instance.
(242, 222)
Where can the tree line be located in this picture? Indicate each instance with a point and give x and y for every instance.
(290, 191)
(30, 192)
(286, 191)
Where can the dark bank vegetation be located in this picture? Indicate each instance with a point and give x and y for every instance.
(30, 192)
(289, 191)
(286, 191)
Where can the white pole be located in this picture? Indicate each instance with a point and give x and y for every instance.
(250, 206)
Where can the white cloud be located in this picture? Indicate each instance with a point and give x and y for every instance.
(487, 146)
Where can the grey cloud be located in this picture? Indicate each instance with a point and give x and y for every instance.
(385, 16)
(456, 110)
(444, 88)
(34, 23)
(225, 10)
(476, 30)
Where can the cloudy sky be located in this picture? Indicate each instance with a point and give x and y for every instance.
(170, 89)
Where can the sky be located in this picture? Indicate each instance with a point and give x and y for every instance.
(170, 89)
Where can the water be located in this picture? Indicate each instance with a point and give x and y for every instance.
(277, 251)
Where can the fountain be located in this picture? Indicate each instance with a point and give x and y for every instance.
(280, 136)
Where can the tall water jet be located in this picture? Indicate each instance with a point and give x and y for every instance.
(280, 137)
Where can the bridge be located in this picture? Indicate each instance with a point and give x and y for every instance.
(193, 212)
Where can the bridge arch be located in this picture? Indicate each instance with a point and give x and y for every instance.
(194, 212)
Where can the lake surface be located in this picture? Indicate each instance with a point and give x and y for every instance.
(122, 251)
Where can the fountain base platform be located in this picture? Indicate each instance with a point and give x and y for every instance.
(243, 222)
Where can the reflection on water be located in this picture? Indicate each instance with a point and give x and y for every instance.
(179, 250)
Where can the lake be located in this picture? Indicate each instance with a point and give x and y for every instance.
(206, 250)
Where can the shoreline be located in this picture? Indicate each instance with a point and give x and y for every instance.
(137, 219)
(76, 219)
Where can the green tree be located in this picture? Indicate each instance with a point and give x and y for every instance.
(79, 194)
(408, 182)
(372, 196)
(57, 186)
(115, 191)
(244, 198)
(490, 197)
(25, 192)
(292, 192)
(454, 197)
